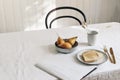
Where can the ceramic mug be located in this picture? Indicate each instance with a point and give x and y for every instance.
(92, 36)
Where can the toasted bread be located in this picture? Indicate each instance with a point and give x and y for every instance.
(90, 56)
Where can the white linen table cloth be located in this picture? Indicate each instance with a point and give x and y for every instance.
(20, 51)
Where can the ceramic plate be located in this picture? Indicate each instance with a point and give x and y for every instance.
(99, 61)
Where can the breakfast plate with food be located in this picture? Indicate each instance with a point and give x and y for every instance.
(92, 56)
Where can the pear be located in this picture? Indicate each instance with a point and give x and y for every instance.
(60, 41)
(72, 40)
(66, 45)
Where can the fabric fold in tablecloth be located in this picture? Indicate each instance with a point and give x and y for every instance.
(63, 72)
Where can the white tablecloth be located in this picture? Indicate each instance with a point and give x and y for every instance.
(20, 51)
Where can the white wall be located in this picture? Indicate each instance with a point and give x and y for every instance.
(97, 11)
(20, 15)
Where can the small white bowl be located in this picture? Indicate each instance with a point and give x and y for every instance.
(65, 51)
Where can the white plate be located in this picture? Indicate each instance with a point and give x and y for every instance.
(99, 61)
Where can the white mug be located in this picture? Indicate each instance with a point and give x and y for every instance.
(92, 36)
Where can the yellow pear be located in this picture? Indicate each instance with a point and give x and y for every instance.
(66, 45)
(60, 41)
(72, 40)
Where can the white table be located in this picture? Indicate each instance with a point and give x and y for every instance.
(20, 51)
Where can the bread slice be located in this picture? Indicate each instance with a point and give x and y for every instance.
(90, 56)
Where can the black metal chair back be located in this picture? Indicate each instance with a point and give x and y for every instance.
(65, 16)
